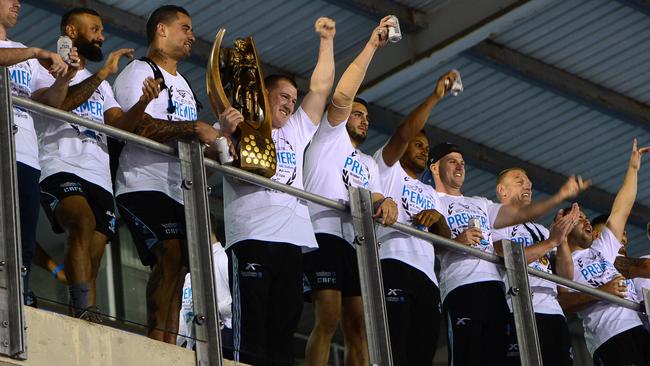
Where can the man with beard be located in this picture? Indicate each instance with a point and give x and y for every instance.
(24, 69)
(614, 334)
(75, 179)
(476, 329)
(514, 188)
(332, 164)
(407, 262)
(267, 231)
(148, 184)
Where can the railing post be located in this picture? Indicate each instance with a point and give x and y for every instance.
(522, 304)
(646, 302)
(372, 287)
(197, 225)
(12, 321)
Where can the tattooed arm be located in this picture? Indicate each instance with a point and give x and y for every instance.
(163, 131)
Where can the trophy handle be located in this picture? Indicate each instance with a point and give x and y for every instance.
(267, 124)
(216, 94)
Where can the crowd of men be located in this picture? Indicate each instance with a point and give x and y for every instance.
(281, 248)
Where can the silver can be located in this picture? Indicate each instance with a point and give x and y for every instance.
(394, 33)
(474, 222)
(63, 47)
(224, 151)
(457, 86)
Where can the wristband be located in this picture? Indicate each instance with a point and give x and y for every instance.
(56, 270)
(380, 202)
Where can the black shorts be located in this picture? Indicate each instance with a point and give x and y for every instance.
(152, 217)
(477, 317)
(554, 340)
(413, 309)
(333, 266)
(58, 186)
(631, 347)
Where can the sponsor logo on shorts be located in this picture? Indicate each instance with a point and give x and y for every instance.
(170, 228)
(393, 295)
(324, 277)
(462, 321)
(112, 221)
(252, 270)
(71, 187)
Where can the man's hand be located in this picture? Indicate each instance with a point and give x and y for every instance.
(205, 133)
(379, 36)
(637, 154)
(616, 287)
(387, 210)
(427, 218)
(150, 89)
(444, 84)
(563, 224)
(573, 186)
(229, 119)
(325, 27)
(51, 61)
(112, 62)
(471, 236)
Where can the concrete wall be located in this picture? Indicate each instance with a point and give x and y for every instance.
(58, 340)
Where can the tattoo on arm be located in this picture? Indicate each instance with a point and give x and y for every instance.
(164, 131)
(79, 93)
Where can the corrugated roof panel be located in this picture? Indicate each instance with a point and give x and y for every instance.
(602, 41)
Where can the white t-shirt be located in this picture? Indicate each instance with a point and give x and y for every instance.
(332, 164)
(594, 267)
(544, 292)
(256, 213)
(141, 169)
(640, 282)
(22, 77)
(459, 269)
(186, 318)
(68, 147)
(411, 196)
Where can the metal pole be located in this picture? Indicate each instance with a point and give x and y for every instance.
(197, 225)
(372, 287)
(646, 302)
(12, 331)
(522, 304)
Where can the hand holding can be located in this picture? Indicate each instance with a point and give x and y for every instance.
(63, 47)
(457, 86)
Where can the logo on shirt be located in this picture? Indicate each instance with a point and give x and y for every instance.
(287, 167)
(355, 173)
(414, 198)
(184, 105)
(597, 271)
(20, 76)
(522, 236)
(458, 216)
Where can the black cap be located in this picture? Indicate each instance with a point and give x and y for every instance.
(443, 149)
(361, 101)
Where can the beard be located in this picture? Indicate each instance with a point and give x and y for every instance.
(91, 51)
(355, 136)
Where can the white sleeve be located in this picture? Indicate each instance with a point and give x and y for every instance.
(109, 97)
(375, 177)
(43, 79)
(128, 85)
(304, 126)
(379, 158)
(492, 210)
(607, 244)
(326, 134)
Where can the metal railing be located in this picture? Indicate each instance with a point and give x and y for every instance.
(208, 351)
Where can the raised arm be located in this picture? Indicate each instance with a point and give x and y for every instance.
(627, 194)
(50, 60)
(416, 120)
(348, 86)
(129, 120)
(511, 215)
(322, 79)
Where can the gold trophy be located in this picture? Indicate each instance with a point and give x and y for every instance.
(234, 78)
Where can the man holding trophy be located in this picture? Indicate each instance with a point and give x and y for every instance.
(267, 231)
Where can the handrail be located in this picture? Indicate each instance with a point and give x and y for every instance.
(268, 183)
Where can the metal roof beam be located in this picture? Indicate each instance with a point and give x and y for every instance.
(131, 26)
(495, 161)
(410, 20)
(452, 28)
(570, 85)
(640, 5)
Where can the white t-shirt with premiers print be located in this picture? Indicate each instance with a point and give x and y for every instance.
(594, 267)
(22, 77)
(68, 147)
(332, 164)
(544, 292)
(141, 169)
(411, 196)
(256, 213)
(458, 269)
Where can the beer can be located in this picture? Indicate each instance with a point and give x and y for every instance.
(63, 47)
(224, 151)
(474, 222)
(394, 33)
(457, 86)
